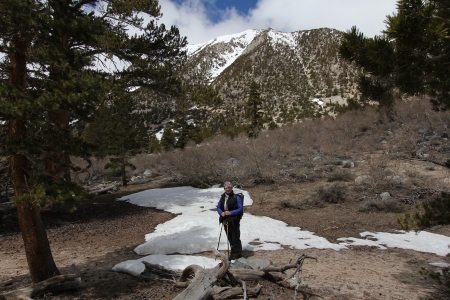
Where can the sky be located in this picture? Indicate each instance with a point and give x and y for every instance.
(195, 229)
(203, 20)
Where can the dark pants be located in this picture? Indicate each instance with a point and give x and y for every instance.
(234, 237)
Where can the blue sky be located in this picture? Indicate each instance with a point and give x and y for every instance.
(203, 20)
(215, 9)
(241, 5)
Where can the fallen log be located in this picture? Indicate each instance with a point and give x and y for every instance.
(52, 285)
(274, 273)
(202, 286)
(227, 281)
(204, 283)
(103, 190)
(222, 293)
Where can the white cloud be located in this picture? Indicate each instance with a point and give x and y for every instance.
(285, 15)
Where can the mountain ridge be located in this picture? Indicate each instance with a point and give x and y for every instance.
(294, 71)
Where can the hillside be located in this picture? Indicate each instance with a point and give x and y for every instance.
(299, 75)
(291, 69)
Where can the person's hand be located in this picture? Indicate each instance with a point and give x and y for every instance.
(227, 213)
(223, 214)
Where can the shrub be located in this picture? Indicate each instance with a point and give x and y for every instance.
(389, 205)
(286, 203)
(428, 214)
(311, 202)
(300, 203)
(339, 175)
(335, 161)
(333, 193)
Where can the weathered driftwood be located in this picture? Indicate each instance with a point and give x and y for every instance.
(223, 282)
(202, 286)
(222, 293)
(275, 274)
(55, 284)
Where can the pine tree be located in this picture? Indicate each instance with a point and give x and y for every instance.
(411, 56)
(79, 39)
(254, 103)
(182, 124)
(153, 144)
(50, 79)
(118, 131)
(168, 138)
(19, 108)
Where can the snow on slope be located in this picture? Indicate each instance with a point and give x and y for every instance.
(236, 45)
(219, 53)
(233, 46)
(245, 37)
(279, 37)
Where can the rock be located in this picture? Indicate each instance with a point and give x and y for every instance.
(396, 179)
(140, 181)
(134, 178)
(428, 134)
(255, 264)
(362, 179)
(385, 196)
(348, 164)
(232, 161)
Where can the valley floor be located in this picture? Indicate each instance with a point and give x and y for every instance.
(104, 232)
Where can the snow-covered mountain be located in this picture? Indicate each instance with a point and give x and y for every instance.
(299, 75)
(222, 52)
(296, 71)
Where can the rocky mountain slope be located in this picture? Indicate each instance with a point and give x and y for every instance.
(300, 73)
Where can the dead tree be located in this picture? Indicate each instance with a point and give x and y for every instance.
(223, 282)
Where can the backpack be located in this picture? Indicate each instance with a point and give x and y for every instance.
(242, 199)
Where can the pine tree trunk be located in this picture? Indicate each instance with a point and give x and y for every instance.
(58, 163)
(123, 171)
(37, 248)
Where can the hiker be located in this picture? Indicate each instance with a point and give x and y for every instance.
(230, 210)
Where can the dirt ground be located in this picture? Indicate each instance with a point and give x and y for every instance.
(104, 232)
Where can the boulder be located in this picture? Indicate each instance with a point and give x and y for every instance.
(362, 179)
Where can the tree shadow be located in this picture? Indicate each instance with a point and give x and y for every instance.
(100, 207)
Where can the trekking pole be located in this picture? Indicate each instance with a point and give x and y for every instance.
(219, 236)
(228, 242)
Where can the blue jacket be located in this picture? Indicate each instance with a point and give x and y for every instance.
(234, 205)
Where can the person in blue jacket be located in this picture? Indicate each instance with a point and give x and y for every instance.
(230, 210)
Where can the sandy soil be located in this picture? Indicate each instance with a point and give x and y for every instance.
(104, 232)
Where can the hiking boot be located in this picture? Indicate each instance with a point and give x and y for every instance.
(235, 256)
